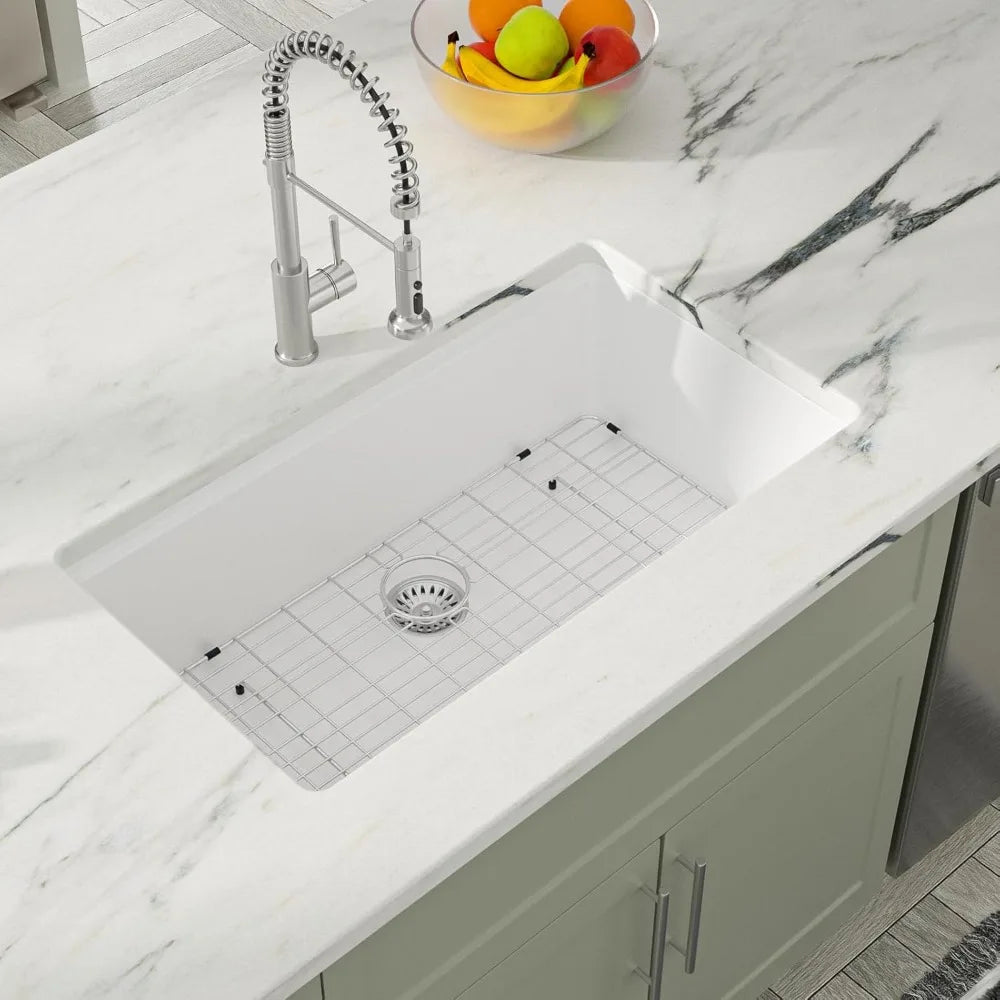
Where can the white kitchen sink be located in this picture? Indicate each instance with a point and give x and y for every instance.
(504, 478)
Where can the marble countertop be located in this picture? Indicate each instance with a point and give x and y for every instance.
(823, 178)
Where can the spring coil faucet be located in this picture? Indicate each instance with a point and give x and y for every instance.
(297, 293)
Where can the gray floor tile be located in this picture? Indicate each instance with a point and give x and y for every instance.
(39, 135)
(930, 929)
(972, 891)
(989, 854)
(143, 79)
(886, 969)
(842, 987)
(12, 155)
(244, 20)
(134, 26)
(105, 11)
(238, 56)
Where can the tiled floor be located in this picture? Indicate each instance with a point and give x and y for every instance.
(141, 51)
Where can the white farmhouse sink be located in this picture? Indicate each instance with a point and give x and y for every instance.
(539, 456)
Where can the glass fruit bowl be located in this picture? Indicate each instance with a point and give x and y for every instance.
(531, 123)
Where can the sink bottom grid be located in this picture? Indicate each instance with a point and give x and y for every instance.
(329, 678)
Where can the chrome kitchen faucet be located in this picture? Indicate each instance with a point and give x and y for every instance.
(297, 293)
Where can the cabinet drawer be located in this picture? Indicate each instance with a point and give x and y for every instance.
(485, 911)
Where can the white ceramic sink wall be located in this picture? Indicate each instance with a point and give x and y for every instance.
(584, 343)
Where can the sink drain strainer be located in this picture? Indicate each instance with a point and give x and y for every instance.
(425, 593)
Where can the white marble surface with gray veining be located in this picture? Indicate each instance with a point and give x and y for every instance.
(824, 176)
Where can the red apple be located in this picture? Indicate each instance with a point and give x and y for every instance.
(616, 53)
(487, 49)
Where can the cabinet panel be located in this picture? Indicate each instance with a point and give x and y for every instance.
(589, 953)
(795, 840)
(485, 911)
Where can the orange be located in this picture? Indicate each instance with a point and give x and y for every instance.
(579, 16)
(487, 17)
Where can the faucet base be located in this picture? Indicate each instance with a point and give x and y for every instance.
(410, 327)
(293, 362)
(296, 344)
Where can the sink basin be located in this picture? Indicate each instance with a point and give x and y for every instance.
(339, 587)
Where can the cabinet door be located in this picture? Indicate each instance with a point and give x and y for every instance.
(592, 951)
(794, 843)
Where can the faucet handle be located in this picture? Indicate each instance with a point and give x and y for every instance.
(335, 237)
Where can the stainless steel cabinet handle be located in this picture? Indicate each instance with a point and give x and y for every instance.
(690, 952)
(988, 486)
(661, 911)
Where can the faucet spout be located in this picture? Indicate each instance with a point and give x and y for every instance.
(297, 294)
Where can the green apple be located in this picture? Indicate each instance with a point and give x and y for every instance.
(532, 44)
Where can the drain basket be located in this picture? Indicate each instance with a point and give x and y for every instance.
(425, 593)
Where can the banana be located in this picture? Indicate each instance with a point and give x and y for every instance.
(479, 70)
(450, 64)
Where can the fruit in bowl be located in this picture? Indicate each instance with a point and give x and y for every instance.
(532, 44)
(521, 84)
(578, 16)
(614, 53)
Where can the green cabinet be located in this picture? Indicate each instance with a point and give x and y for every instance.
(783, 773)
(797, 842)
(789, 846)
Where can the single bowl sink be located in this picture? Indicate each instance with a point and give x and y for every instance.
(335, 590)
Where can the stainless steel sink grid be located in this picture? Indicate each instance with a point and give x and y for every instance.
(332, 676)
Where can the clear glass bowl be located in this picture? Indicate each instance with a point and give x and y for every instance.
(531, 123)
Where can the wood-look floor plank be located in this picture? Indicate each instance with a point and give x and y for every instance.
(39, 135)
(302, 13)
(886, 968)
(243, 54)
(128, 29)
(972, 891)
(842, 987)
(989, 854)
(245, 20)
(334, 8)
(13, 155)
(131, 57)
(893, 900)
(767, 995)
(105, 11)
(143, 79)
(930, 929)
(87, 23)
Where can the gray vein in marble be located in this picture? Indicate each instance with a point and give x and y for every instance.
(861, 210)
(681, 287)
(703, 123)
(858, 437)
(91, 760)
(145, 966)
(908, 222)
(938, 37)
